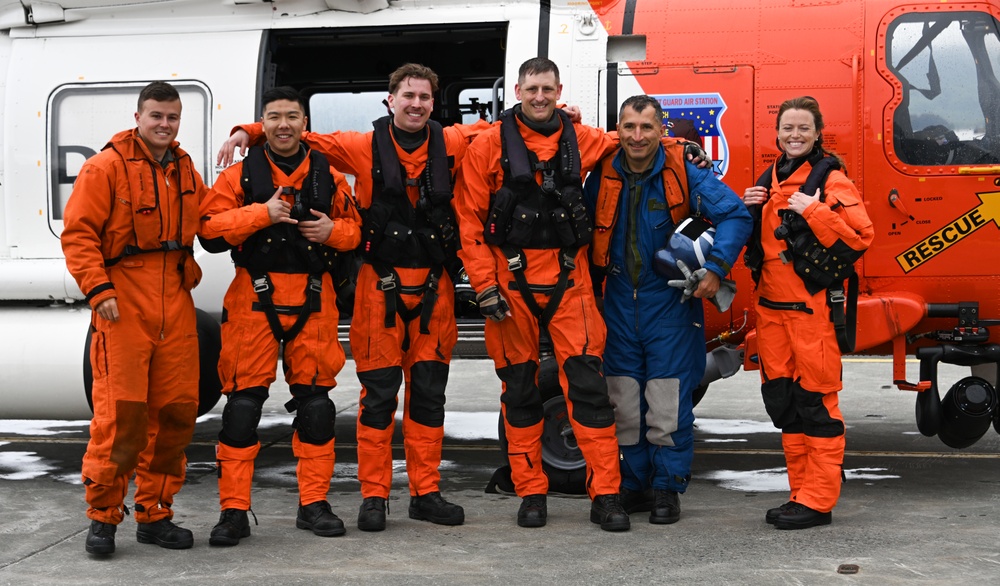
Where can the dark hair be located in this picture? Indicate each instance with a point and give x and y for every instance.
(537, 65)
(640, 103)
(159, 91)
(414, 70)
(808, 104)
(283, 92)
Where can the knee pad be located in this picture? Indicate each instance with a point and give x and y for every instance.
(241, 416)
(816, 420)
(378, 406)
(314, 419)
(777, 395)
(521, 397)
(427, 383)
(588, 392)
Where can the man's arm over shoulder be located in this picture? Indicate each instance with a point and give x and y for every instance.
(346, 233)
(727, 213)
(595, 144)
(458, 137)
(348, 152)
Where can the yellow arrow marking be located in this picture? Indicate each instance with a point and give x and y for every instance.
(953, 232)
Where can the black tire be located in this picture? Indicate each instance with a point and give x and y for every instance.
(209, 345)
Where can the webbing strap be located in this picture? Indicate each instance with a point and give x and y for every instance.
(263, 288)
(845, 320)
(516, 264)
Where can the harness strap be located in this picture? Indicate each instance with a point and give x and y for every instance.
(263, 288)
(389, 284)
(845, 320)
(516, 265)
(131, 250)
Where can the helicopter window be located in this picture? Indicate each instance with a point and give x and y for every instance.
(477, 103)
(948, 64)
(342, 111)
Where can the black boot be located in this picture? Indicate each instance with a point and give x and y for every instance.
(233, 525)
(636, 501)
(666, 507)
(372, 514)
(533, 511)
(320, 519)
(608, 511)
(165, 534)
(101, 538)
(799, 516)
(432, 507)
(772, 514)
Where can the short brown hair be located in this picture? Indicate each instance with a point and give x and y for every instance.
(537, 65)
(160, 91)
(414, 70)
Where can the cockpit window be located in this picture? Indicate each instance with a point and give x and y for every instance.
(949, 65)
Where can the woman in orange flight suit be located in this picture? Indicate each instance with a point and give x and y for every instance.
(799, 355)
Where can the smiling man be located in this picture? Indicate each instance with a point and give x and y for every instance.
(283, 212)
(129, 228)
(655, 354)
(524, 238)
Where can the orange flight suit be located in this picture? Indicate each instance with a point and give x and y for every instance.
(248, 362)
(382, 363)
(799, 356)
(125, 210)
(577, 328)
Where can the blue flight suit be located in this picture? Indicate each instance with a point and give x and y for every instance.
(655, 354)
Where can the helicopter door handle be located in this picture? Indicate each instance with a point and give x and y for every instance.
(897, 203)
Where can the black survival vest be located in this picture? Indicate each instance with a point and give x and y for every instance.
(395, 233)
(281, 248)
(819, 267)
(526, 215)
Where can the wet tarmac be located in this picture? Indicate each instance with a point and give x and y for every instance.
(913, 511)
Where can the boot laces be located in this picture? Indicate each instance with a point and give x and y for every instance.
(372, 504)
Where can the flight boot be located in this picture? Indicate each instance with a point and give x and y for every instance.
(165, 534)
(320, 519)
(432, 507)
(533, 511)
(101, 538)
(666, 507)
(799, 516)
(772, 514)
(233, 525)
(372, 514)
(608, 511)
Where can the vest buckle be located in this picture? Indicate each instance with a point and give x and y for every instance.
(387, 283)
(514, 263)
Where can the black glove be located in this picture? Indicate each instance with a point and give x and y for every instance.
(492, 304)
(699, 158)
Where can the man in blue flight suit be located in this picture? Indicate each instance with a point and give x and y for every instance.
(655, 354)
